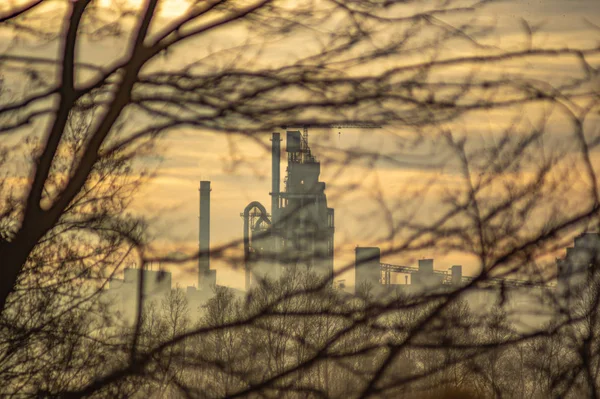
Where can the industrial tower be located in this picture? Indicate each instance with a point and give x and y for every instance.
(206, 277)
(300, 229)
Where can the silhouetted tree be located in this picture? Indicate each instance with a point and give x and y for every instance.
(77, 134)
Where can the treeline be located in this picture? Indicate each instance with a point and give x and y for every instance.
(301, 338)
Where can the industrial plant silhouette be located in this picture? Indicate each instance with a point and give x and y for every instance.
(299, 232)
(300, 228)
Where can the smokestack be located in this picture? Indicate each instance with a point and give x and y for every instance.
(275, 159)
(204, 237)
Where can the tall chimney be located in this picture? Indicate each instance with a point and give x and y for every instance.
(275, 159)
(204, 237)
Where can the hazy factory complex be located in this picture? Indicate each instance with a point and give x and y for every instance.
(299, 232)
(300, 228)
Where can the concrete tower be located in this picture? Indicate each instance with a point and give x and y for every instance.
(206, 277)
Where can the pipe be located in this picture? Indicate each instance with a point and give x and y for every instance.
(204, 236)
(246, 216)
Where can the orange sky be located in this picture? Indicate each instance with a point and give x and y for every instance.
(191, 156)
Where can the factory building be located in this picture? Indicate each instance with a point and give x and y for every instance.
(300, 229)
(123, 294)
(298, 232)
(528, 304)
(371, 272)
(578, 268)
(574, 267)
(575, 272)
